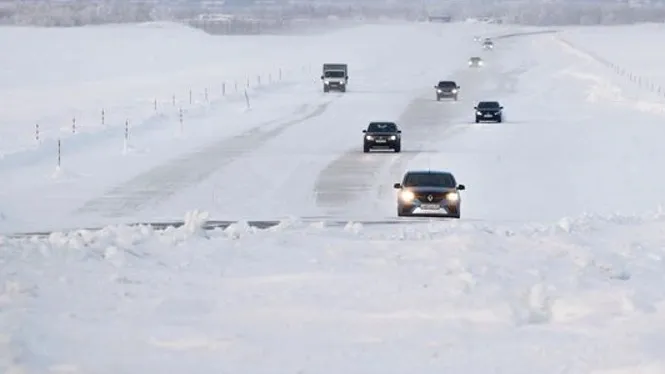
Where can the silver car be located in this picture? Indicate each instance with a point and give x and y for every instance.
(429, 193)
(476, 62)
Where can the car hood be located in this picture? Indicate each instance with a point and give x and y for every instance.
(381, 133)
(489, 109)
(423, 189)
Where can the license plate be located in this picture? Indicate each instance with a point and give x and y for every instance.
(488, 115)
(430, 206)
(380, 140)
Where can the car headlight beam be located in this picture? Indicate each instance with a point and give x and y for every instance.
(453, 196)
(407, 196)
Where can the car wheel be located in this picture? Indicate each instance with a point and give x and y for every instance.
(500, 119)
(366, 148)
(477, 120)
(438, 98)
(401, 212)
(342, 89)
(398, 148)
(326, 89)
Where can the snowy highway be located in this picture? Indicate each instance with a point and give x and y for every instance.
(289, 257)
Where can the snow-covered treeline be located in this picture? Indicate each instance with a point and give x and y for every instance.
(267, 17)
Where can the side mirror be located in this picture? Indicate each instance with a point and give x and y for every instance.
(399, 131)
(458, 87)
(397, 186)
(500, 107)
(475, 107)
(347, 77)
(364, 130)
(322, 77)
(461, 187)
(435, 86)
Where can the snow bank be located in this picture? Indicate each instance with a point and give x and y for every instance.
(632, 51)
(453, 296)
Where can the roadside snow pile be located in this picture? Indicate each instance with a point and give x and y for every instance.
(447, 296)
(451, 296)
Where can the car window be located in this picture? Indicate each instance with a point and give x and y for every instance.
(333, 74)
(429, 180)
(447, 84)
(382, 127)
(489, 105)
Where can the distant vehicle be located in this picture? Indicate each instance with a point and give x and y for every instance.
(476, 38)
(446, 89)
(335, 77)
(475, 62)
(429, 193)
(385, 135)
(490, 111)
(488, 44)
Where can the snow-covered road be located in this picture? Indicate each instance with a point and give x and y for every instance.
(555, 266)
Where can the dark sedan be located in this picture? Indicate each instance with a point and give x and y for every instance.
(384, 135)
(429, 193)
(490, 111)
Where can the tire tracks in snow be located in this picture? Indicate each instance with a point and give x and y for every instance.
(161, 182)
(358, 182)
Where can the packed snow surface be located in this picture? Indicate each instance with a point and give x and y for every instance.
(556, 265)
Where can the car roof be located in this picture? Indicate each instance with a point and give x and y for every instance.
(475, 58)
(416, 171)
(488, 101)
(451, 82)
(382, 122)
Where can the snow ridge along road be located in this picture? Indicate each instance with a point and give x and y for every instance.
(165, 180)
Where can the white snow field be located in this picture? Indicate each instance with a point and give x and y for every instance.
(556, 265)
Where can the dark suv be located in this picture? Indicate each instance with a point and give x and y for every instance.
(446, 89)
(386, 135)
(429, 193)
(490, 111)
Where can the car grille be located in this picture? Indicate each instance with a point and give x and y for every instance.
(436, 197)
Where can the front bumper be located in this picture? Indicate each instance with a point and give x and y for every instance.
(380, 141)
(334, 85)
(418, 208)
(488, 116)
(446, 94)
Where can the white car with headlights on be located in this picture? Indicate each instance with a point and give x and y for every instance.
(429, 193)
(476, 62)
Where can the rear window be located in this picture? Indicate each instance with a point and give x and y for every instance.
(382, 127)
(429, 180)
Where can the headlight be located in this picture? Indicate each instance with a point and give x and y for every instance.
(407, 196)
(453, 196)
(479, 112)
(439, 91)
(342, 83)
(393, 137)
(369, 137)
(326, 82)
(480, 62)
(454, 91)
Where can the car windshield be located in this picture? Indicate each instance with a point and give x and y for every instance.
(382, 127)
(489, 105)
(429, 180)
(334, 74)
(475, 58)
(447, 85)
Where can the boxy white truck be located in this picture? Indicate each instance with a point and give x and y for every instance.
(335, 77)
